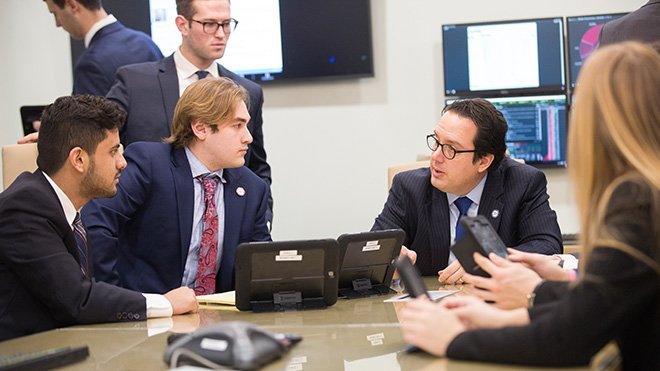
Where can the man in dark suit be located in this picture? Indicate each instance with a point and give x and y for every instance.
(469, 175)
(641, 25)
(160, 231)
(45, 265)
(109, 45)
(148, 92)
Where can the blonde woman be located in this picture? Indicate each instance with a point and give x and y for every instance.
(614, 161)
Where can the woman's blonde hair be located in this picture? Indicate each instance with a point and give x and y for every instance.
(615, 135)
(211, 100)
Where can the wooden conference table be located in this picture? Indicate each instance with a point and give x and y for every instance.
(359, 334)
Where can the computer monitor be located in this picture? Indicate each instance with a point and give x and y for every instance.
(31, 118)
(537, 127)
(583, 34)
(286, 40)
(504, 58)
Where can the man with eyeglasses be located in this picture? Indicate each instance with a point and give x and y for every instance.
(469, 174)
(149, 91)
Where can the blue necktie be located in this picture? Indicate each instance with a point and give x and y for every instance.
(202, 74)
(463, 204)
(80, 234)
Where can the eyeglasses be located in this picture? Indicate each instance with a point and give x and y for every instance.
(212, 27)
(447, 149)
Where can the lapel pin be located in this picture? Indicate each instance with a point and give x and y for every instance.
(240, 191)
(495, 213)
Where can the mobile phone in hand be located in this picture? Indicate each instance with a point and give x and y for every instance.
(411, 278)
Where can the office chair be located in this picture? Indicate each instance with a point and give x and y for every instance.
(393, 170)
(17, 158)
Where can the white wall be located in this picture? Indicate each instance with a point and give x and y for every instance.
(329, 143)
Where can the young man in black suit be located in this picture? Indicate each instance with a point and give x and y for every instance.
(45, 260)
(469, 168)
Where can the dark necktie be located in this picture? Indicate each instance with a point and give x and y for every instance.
(80, 235)
(208, 251)
(463, 204)
(202, 74)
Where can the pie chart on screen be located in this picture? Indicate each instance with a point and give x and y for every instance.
(589, 41)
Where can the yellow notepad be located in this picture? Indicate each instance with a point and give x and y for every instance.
(223, 298)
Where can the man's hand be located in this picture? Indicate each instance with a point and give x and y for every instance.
(412, 255)
(452, 274)
(183, 300)
(30, 138)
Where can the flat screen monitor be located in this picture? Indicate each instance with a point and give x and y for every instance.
(537, 128)
(286, 40)
(583, 34)
(504, 58)
(275, 40)
(31, 118)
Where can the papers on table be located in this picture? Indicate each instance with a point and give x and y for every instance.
(223, 298)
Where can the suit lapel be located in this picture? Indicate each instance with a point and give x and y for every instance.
(185, 196)
(169, 88)
(439, 227)
(235, 198)
(490, 205)
(60, 220)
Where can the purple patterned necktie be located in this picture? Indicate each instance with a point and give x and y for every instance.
(208, 251)
(80, 235)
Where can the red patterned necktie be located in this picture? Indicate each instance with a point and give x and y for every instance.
(208, 251)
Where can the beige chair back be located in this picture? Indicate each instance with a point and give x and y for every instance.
(17, 158)
(394, 170)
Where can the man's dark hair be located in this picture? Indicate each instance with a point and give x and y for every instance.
(75, 121)
(491, 127)
(185, 8)
(88, 4)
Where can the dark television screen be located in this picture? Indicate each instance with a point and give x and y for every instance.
(504, 58)
(275, 40)
(582, 34)
(537, 128)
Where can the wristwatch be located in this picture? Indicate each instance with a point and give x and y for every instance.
(530, 299)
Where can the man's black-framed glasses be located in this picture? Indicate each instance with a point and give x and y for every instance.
(211, 28)
(447, 149)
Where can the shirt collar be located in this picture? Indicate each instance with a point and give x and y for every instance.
(96, 27)
(474, 195)
(67, 206)
(185, 69)
(197, 168)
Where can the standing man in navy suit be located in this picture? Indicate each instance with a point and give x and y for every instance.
(149, 91)
(469, 171)
(109, 45)
(157, 233)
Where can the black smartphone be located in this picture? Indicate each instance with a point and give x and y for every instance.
(411, 278)
(479, 237)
